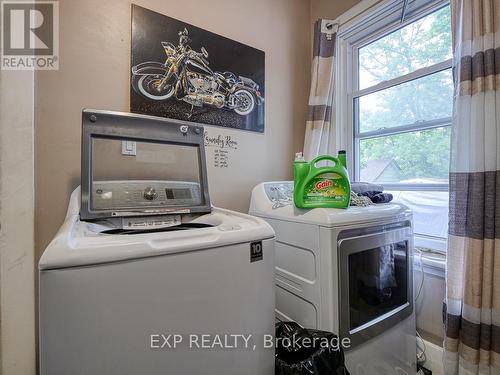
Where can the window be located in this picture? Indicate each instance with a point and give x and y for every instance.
(399, 107)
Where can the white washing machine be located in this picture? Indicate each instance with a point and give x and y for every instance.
(347, 271)
(144, 276)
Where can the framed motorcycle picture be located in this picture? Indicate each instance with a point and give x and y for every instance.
(183, 72)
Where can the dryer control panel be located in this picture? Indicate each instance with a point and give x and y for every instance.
(279, 190)
(279, 193)
(109, 195)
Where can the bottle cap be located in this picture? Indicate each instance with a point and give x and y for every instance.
(299, 156)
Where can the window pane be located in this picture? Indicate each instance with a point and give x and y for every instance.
(422, 43)
(423, 99)
(416, 157)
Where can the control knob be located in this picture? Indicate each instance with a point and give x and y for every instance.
(150, 193)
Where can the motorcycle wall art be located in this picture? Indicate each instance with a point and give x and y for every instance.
(183, 72)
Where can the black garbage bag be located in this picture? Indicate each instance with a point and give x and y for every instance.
(302, 351)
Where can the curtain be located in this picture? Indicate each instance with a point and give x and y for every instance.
(472, 305)
(318, 125)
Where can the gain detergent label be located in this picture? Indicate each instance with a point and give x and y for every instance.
(328, 187)
(321, 186)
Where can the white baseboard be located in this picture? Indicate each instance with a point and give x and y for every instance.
(434, 358)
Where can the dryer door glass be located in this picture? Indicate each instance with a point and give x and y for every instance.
(375, 271)
(378, 282)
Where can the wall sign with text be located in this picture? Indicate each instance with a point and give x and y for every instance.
(222, 146)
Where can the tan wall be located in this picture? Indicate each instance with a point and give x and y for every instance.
(94, 73)
(429, 306)
(330, 9)
(17, 284)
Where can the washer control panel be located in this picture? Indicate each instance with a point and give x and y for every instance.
(143, 194)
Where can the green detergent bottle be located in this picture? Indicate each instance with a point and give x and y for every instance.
(321, 187)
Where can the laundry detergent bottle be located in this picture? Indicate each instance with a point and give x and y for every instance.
(321, 187)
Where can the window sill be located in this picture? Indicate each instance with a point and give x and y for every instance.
(432, 264)
(431, 252)
(432, 243)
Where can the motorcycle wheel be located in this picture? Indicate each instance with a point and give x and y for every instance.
(147, 85)
(245, 102)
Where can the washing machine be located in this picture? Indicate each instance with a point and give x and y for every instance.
(347, 271)
(145, 276)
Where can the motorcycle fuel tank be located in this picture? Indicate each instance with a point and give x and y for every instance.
(198, 67)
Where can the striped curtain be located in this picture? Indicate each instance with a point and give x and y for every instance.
(472, 315)
(318, 125)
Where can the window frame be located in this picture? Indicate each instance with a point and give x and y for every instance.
(358, 28)
(365, 23)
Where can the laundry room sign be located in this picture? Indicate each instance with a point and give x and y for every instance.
(220, 146)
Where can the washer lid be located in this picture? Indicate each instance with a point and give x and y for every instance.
(137, 165)
(261, 205)
(81, 243)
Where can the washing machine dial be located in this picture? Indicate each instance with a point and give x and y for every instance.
(150, 193)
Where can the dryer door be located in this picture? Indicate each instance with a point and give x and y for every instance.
(376, 290)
